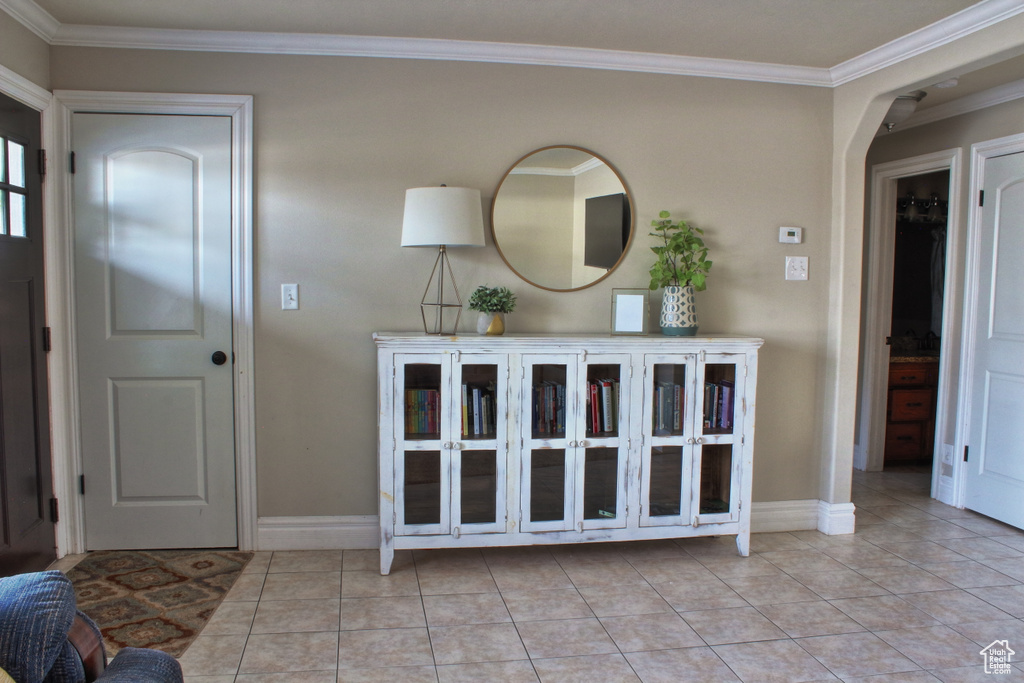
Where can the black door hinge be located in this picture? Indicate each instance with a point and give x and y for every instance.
(981, 198)
(965, 453)
(81, 484)
(71, 162)
(42, 163)
(47, 342)
(54, 511)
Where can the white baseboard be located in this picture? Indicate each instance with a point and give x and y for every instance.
(353, 532)
(946, 492)
(836, 518)
(784, 515)
(363, 531)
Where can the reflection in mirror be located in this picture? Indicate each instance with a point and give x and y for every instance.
(562, 218)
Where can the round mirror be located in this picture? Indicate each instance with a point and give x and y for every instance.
(562, 218)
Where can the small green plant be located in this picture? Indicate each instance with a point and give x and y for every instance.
(492, 300)
(682, 256)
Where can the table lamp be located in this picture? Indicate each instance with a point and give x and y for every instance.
(442, 217)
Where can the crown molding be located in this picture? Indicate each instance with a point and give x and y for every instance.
(433, 49)
(32, 17)
(965, 22)
(942, 32)
(577, 170)
(965, 105)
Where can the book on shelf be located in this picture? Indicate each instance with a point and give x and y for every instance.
(719, 404)
(422, 411)
(478, 413)
(602, 410)
(549, 408)
(727, 404)
(593, 408)
(607, 407)
(668, 408)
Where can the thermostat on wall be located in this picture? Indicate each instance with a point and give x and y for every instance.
(791, 235)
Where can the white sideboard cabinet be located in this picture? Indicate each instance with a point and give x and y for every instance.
(538, 439)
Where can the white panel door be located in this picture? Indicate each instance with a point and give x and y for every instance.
(152, 221)
(995, 466)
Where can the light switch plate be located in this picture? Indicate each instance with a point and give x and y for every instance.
(791, 235)
(796, 267)
(289, 297)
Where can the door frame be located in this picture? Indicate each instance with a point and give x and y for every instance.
(881, 236)
(60, 293)
(980, 153)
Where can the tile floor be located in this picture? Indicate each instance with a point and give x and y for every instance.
(913, 596)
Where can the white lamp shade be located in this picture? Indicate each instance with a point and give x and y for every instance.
(435, 216)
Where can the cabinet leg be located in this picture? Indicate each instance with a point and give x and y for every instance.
(743, 544)
(387, 555)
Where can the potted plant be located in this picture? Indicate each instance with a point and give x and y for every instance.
(681, 268)
(492, 303)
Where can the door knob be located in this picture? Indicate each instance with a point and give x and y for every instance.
(219, 358)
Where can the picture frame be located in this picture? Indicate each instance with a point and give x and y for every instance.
(630, 311)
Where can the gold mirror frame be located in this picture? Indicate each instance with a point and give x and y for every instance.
(568, 161)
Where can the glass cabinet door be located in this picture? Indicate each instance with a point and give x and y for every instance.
(666, 467)
(479, 440)
(575, 454)
(450, 467)
(720, 425)
(422, 463)
(548, 427)
(603, 448)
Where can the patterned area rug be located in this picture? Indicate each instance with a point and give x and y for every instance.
(159, 599)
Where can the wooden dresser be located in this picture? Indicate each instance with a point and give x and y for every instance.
(910, 413)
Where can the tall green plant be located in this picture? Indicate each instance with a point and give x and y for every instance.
(682, 256)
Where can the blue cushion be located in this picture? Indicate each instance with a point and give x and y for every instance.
(132, 665)
(36, 611)
(67, 668)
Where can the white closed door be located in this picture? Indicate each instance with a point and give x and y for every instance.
(152, 222)
(994, 484)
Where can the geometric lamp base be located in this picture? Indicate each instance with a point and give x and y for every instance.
(441, 316)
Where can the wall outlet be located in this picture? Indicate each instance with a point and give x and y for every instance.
(796, 267)
(289, 297)
(947, 453)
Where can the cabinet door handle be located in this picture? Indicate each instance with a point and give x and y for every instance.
(447, 445)
(582, 443)
(571, 444)
(455, 532)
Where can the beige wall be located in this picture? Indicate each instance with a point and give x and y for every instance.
(958, 132)
(23, 52)
(338, 140)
